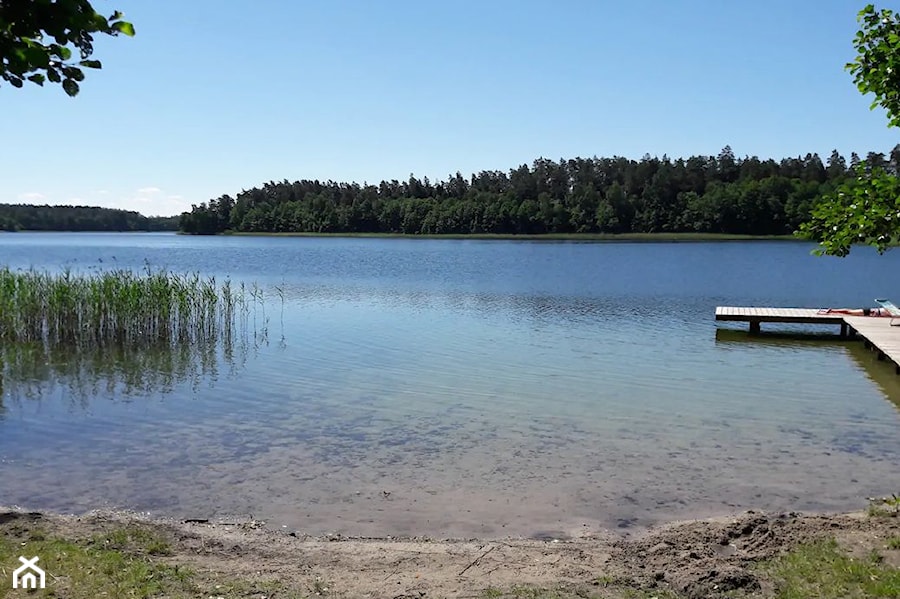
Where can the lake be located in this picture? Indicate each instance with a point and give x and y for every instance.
(458, 388)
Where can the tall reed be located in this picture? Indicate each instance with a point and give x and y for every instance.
(119, 307)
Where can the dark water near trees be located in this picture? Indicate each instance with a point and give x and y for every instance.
(453, 388)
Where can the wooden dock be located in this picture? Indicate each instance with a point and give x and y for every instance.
(876, 332)
(755, 316)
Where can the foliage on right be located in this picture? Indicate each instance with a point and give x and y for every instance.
(866, 208)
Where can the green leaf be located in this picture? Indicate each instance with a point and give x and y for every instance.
(91, 64)
(70, 86)
(37, 78)
(101, 24)
(123, 27)
(53, 75)
(63, 52)
(37, 56)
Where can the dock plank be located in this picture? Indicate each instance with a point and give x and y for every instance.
(878, 332)
(766, 314)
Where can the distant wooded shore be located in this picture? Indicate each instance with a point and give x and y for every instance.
(594, 237)
(31, 217)
(721, 194)
(711, 198)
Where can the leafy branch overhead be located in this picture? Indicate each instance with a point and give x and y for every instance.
(866, 208)
(876, 69)
(52, 40)
(863, 210)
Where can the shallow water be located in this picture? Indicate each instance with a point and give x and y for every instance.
(457, 388)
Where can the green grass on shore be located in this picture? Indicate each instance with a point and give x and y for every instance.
(823, 570)
(120, 564)
(583, 592)
(608, 237)
(129, 562)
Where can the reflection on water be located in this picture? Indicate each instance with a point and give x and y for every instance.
(118, 371)
(787, 336)
(881, 372)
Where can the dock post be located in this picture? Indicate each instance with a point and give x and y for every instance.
(754, 327)
(843, 329)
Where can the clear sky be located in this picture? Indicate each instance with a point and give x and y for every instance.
(212, 97)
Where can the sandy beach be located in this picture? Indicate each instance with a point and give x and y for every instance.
(242, 557)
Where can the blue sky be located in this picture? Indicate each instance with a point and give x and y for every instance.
(215, 97)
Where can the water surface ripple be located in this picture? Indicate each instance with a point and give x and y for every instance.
(457, 388)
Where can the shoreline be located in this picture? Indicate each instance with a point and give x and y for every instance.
(270, 526)
(586, 237)
(719, 557)
(571, 237)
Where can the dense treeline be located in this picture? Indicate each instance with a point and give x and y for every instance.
(27, 217)
(709, 194)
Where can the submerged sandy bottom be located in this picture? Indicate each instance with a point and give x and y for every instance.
(486, 482)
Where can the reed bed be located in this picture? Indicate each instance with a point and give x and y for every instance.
(121, 307)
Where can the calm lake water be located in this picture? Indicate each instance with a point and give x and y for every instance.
(462, 388)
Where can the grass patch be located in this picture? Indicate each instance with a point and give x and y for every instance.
(271, 589)
(320, 586)
(884, 507)
(88, 571)
(134, 539)
(621, 588)
(124, 563)
(893, 543)
(532, 592)
(823, 570)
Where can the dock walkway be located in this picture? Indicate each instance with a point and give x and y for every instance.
(876, 332)
(755, 316)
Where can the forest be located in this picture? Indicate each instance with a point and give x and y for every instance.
(702, 194)
(28, 217)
